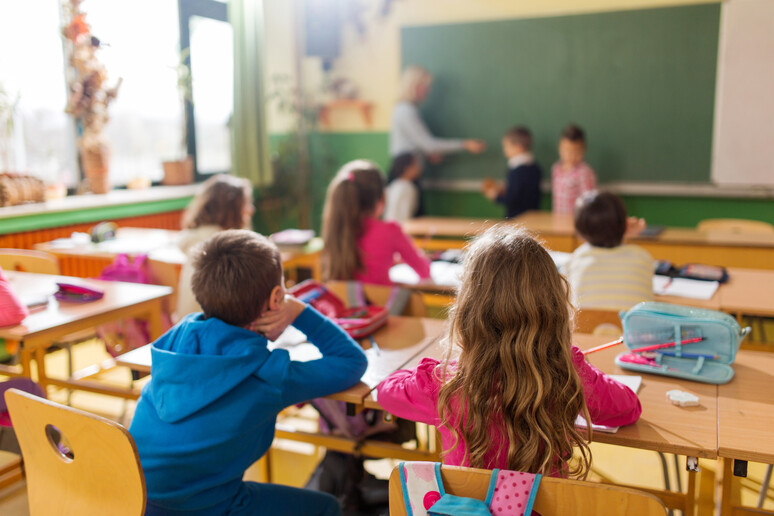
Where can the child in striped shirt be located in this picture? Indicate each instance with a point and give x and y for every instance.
(605, 273)
(571, 176)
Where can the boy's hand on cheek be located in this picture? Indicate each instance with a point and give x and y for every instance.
(273, 322)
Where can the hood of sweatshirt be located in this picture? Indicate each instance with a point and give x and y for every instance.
(220, 355)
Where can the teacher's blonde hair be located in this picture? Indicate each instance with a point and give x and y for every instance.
(413, 77)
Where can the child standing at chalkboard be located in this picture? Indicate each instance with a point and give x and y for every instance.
(522, 189)
(571, 176)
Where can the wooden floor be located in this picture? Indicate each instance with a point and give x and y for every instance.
(292, 462)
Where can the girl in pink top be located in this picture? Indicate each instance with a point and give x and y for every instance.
(511, 398)
(358, 244)
(12, 311)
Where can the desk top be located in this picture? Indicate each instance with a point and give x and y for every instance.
(748, 291)
(402, 339)
(118, 295)
(549, 224)
(158, 244)
(746, 409)
(662, 427)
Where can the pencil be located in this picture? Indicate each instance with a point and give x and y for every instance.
(604, 346)
(667, 345)
(374, 346)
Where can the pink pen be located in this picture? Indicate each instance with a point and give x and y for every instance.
(633, 358)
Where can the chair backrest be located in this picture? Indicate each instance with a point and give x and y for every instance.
(26, 260)
(555, 496)
(735, 226)
(598, 322)
(93, 468)
(379, 295)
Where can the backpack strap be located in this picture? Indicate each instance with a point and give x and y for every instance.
(421, 485)
(512, 492)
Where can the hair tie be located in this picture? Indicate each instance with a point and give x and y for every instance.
(351, 176)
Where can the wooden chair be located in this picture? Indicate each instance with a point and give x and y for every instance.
(735, 226)
(598, 322)
(555, 496)
(379, 295)
(26, 260)
(75, 462)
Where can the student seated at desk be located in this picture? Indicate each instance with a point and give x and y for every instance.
(210, 408)
(571, 176)
(605, 273)
(511, 398)
(224, 202)
(402, 194)
(358, 244)
(522, 189)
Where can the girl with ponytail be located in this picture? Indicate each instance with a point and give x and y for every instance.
(358, 245)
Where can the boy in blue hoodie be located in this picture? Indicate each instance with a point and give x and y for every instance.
(210, 408)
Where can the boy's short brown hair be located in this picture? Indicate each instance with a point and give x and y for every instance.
(600, 218)
(234, 274)
(574, 134)
(519, 135)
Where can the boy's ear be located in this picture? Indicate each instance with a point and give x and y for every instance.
(276, 297)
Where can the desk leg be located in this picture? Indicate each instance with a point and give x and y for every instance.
(154, 320)
(26, 362)
(690, 494)
(40, 361)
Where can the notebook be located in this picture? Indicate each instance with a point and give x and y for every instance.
(632, 382)
(683, 287)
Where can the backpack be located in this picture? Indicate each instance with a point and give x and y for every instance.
(127, 334)
(509, 493)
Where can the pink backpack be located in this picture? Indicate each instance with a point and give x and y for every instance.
(127, 334)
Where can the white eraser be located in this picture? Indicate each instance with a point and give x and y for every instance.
(682, 399)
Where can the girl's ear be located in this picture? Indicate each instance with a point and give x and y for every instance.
(276, 297)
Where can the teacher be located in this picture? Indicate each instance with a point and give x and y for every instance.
(409, 134)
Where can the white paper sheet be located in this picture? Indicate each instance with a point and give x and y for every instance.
(682, 287)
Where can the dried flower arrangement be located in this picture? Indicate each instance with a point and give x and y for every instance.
(89, 95)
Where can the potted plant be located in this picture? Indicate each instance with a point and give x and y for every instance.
(89, 97)
(180, 171)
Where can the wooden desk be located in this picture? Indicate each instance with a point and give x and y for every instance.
(678, 245)
(41, 329)
(402, 339)
(748, 292)
(745, 420)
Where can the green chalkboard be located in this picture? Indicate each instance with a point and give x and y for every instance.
(641, 83)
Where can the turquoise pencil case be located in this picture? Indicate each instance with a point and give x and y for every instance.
(681, 341)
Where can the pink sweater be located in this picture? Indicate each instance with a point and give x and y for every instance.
(413, 394)
(380, 243)
(12, 311)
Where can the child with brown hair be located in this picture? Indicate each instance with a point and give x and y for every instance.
(358, 244)
(604, 272)
(210, 409)
(571, 176)
(223, 202)
(511, 398)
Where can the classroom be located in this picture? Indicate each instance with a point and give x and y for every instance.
(386, 257)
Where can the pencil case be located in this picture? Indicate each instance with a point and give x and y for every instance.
(358, 321)
(71, 293)
(684, 342)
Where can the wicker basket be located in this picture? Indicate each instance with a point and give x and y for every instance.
(178, 172)
(96, 163)
(20, 189)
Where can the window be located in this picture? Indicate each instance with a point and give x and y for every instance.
(141, 45)
(42, 141)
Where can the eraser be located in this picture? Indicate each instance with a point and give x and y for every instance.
(682, 399)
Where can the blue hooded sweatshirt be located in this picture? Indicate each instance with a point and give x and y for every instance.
(210, 408)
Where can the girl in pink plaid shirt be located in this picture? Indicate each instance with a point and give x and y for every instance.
(571, 177)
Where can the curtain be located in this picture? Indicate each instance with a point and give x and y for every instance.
(250, 142)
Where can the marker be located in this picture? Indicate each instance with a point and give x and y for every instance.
(667, 345)
(688, 355)
(604, 346)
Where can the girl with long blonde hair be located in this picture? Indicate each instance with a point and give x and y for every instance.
(511, 398)
(358, 245)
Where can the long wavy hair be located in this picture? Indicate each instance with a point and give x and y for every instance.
(352, 196)
(514, 375)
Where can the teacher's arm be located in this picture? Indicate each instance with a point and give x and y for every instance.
(410, 125)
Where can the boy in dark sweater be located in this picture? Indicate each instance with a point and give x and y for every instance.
(522, 189)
